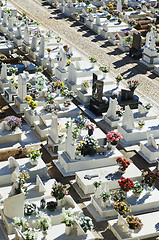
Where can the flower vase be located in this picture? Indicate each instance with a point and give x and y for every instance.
(104, 204)
(58, 91)
(32, 112)
(98, 191)
(44, 233)
(59, 203)
(104, 75)
(84, 89)
(109, 146)
(120, 170)
(136, 195)
(33, 162)
(68, 229)
(117, 84)
(149, 190)
(92, 65)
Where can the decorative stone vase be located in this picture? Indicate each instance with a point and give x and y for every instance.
(58, 91)
(59, 203)
(32, 112)
(84, 89)
(93, 65)
(68, 229)
(33, 162)
(44, 234)
(120, 170)
(104, 204)
(149, 190)
(136, 195)
(104, 75)
(98, 191)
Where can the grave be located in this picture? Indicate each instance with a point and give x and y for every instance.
(40, 58)
(135, 50)
(128, 98)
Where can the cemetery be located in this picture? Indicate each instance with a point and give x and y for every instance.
(79, 120)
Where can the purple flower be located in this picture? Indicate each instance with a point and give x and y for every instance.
(13, 122)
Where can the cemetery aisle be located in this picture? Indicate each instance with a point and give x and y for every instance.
(88, 43)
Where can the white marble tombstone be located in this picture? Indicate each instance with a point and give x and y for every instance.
(0, 13)
(10, 24)
(12, 163)
(4, 126)
(70, 3)
(72, 74)
(91, 17)
(70, 144)
(128, 119)
(105, 26)
(15, 175)
(5, 20)
(22, 87)
(18, 33)
(26, 36)
(62, 59)
(63, 3)
(34, 43)
(98, 22)
(142, 109)
(152, 43)
(119, 6)
(151, 141)
(78, 67)
(84, 12)
(40, 184)
(147, 40)
(112, 108)
(42, 47)
(4, 72)
(14, 206)
(54, 129)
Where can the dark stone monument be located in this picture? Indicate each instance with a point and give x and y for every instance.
(97, 104)
(128, 98)
(135, 50)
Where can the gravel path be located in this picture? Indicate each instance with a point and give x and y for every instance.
(92, 45)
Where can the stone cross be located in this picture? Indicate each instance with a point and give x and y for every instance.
(5, 21)
(89, 177)
(112, 108)
(26, 36)
(42, 47)
(72, 74)
(54, 129)
(34, 43)
(18, 33)
(22, 87)
(10, 24)
(4, 72)
(70, 144)
(62, 59)
(128, 119)
(151, 141)
(119, 6)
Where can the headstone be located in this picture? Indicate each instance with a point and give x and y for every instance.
(91, 17)
(147, 40)
(136, 41)
(42, 47)
(4, 71)
(40, 184)
(151, 141)
(63, 3)
(128, 119)
(34, 43)
(126, 95)
(10, 23)
(70, 4)
(62, 59)
(18, 33)
(153, 42)
(98, 22)
(15, 175)
(78, 67)
(70, 144)
(84, 12)
(142, 109)
(22, 87)
(12, 162)
(14, 206)
(54, 129)
(105, 26)
(26, 36)
(72, 74)
(112, 108)
(4, 126)
(5, 21)
(119, 6)
(0, 12)
(98, 93)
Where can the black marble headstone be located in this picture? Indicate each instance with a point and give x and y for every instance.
(136, 41)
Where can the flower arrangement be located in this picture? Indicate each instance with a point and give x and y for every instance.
(67, 93)
(58, 85)
(68, 63)
(12, 80)
(16, 85)
(29, 86)
(86, 84)
(123, 163)
(126, 33)
(111, 7)
(34, 154)
(59, 190)
(12, 70)
(121, 207)
(49, 98)
(80, 121)
(32, 104)
(48, 50)
(138, 188)
(114, 137)
(40, 82)
(67, 103)
(117, 36)
(69, 55)
(148, 5)
(134, 222)
(131, 22)
(128, 39)
(105, 9)
(118, 195)
(29, 208)
(21, 223)
(44, 222)
(86, 223)
(97, 184)
(89, 10)
(37, 33)
(141, 123)
(115, 13)
(105, 69)
(132, 84)
(92, 59)
(89, 146)
(23, 176)
(58, 39)
(90, 128)
(119, 78)
(126, 184)
(105, 196)
(34, 94)
(108, 17)
(13, 122)
(28, 98)
(67, 217)
(39, 69)
(30, 234)
(149, 178)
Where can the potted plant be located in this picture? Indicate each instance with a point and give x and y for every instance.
(89, 10)
(23, 176)
(118, 79)
(32, 105)
(113, 138)
(149, 178)
(121, 207)
(34, 155)
(28, 98)
(138, 188)
(39, 69)
(104, 69)
(12, 71)
(44, 223)
(21, 223)
(68, 63)
(132, 84)
(117, 36)
(126, 184)
(89, 146)
(134, 222)
(68, 218)
(104, 197)
(93, 61)
(119, 21)
(13, 122)
(51, 205)
(141, 123)
(123, 164)
(86, 223)
(108, 17)
(49, 98)
(59, 191)
(90, 128)
(85, 86)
